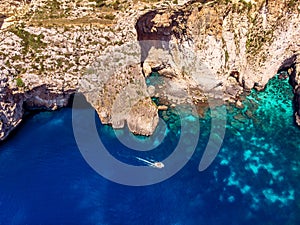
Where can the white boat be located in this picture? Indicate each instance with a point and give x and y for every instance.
(158, 165)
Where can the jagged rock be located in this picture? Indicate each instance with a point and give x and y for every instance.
(151, 90)
(195, 46)
(11, 110)
(122, 97)
(239, 104)
(297, 89)
(14, 101)
(162, 107)
(296, 75)
(297, 105)
(143, 117)
(147, 70)
(207, 43)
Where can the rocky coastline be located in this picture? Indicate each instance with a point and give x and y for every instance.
(50, 50)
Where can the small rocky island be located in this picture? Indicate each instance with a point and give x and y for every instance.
(52, 49)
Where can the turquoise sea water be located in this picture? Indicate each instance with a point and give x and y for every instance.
(254, 179)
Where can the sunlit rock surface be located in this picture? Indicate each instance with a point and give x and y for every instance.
(202, 49)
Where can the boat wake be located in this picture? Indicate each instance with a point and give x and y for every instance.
(158, 165)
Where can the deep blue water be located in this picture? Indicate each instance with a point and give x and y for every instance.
(254, 179)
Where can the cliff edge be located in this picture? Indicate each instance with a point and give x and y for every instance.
(50, 50)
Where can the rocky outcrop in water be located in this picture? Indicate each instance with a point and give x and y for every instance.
(125, 98)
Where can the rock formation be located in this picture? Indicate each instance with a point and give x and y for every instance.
(242, 44)
(50, 49)
(124, 94)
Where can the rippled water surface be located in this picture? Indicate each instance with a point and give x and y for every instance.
(254, 179)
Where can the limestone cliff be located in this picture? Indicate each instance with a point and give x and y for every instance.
(241, 43)
(202, 49)
(235, 46)
(46, 47)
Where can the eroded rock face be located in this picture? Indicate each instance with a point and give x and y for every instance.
(236, 45)
(11, 109)
(202, 49)
(121, 96)
(2, 18)
(143, 117)
(14, 102)
(47, 61)
(297, 105)
(292, 67)
(226, 37)
(296, 84)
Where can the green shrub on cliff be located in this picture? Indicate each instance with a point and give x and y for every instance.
(99, 3)
(29, 41)
(20, 82)
(109, 17)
